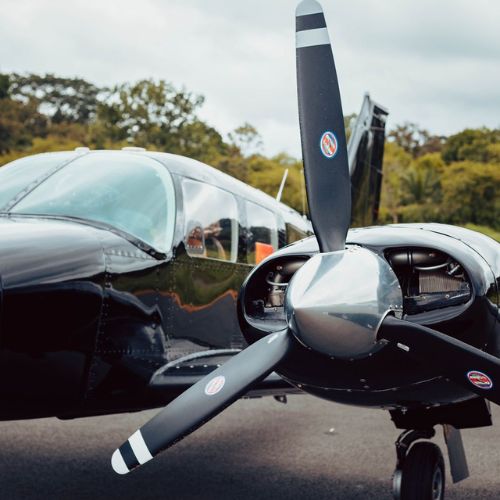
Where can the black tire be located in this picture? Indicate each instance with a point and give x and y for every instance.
(423, 474)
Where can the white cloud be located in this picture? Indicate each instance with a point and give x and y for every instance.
(434, 63)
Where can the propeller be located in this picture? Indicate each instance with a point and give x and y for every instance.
(328, 188)
(324, 148)
(466, 365)
(202, 401)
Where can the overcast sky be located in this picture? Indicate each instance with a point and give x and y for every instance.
(436, 63)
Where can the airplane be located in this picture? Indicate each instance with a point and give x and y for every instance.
(124, 260)
(120, 273)
(403, 318)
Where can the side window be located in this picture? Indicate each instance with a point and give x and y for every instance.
(262, 238)
(293, 233)
(211, 221)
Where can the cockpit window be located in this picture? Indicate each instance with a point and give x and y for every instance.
(262, 238)
(211, 221)
(18, 175)
(132, 194)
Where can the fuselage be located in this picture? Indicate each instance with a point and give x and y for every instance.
(91, 310)
(95, 319)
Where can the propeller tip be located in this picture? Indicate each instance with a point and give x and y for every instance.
(308, 7)
(118, 463)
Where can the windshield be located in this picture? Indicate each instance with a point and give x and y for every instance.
(21, 175)
(132, 193)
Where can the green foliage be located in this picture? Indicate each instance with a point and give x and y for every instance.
(427, 189)
(266, 174)
(246, 139)
(420, 183)
(426, 177)
(155, 115)
(4, 86)
(414, 140)
(146, 112)
(396, 164)
(472, 144)
(470, 193)
(493, 152)
(19, 123)
(63, 100)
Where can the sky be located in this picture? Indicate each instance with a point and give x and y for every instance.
(435, 63)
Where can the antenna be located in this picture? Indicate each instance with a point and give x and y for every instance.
(282, 185)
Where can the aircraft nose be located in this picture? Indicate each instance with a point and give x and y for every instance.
(336, 301)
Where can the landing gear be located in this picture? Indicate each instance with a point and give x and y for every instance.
(419, 473)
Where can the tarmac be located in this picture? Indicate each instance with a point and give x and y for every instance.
(256, 449)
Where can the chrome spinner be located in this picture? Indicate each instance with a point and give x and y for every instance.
(336, 301)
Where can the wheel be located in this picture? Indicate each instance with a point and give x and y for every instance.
(422, 476)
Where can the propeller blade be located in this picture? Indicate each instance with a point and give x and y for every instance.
(322, 130)
(472, 368)
(202, 401)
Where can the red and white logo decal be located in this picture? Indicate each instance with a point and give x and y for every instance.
(329, 144)
(215, 385)
(479, 379)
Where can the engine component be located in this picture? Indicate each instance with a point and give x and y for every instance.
(429, 279)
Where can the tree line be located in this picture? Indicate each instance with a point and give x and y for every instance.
(451, 179)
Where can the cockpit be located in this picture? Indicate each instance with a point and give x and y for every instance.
(130, 193)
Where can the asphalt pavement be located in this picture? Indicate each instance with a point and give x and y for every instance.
(256, 449)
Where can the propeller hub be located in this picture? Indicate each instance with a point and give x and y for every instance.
(336, 302)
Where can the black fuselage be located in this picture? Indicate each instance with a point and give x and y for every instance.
(90, 313)
(94, 321)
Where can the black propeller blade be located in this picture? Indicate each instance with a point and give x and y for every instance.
(202, 401)
(322, 130)
(472, 368)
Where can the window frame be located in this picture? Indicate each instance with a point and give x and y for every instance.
(187, 220)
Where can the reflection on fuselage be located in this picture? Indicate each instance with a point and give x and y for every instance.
(92, 306)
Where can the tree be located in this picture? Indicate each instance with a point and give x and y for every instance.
(420, 184)
(19, 123)
(147, 112)
(266, 174)
(470, 194)
(471, 144)
(396, 164)
(493, 152)
(414, 140)
(156, 115)
(4, 86)
(199, 141)
(246, 139)
(63, 100)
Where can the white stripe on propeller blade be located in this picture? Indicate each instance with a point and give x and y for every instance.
(310, 38)
(139, 447)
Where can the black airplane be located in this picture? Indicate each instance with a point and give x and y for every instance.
(120, 273)
(403, 318)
